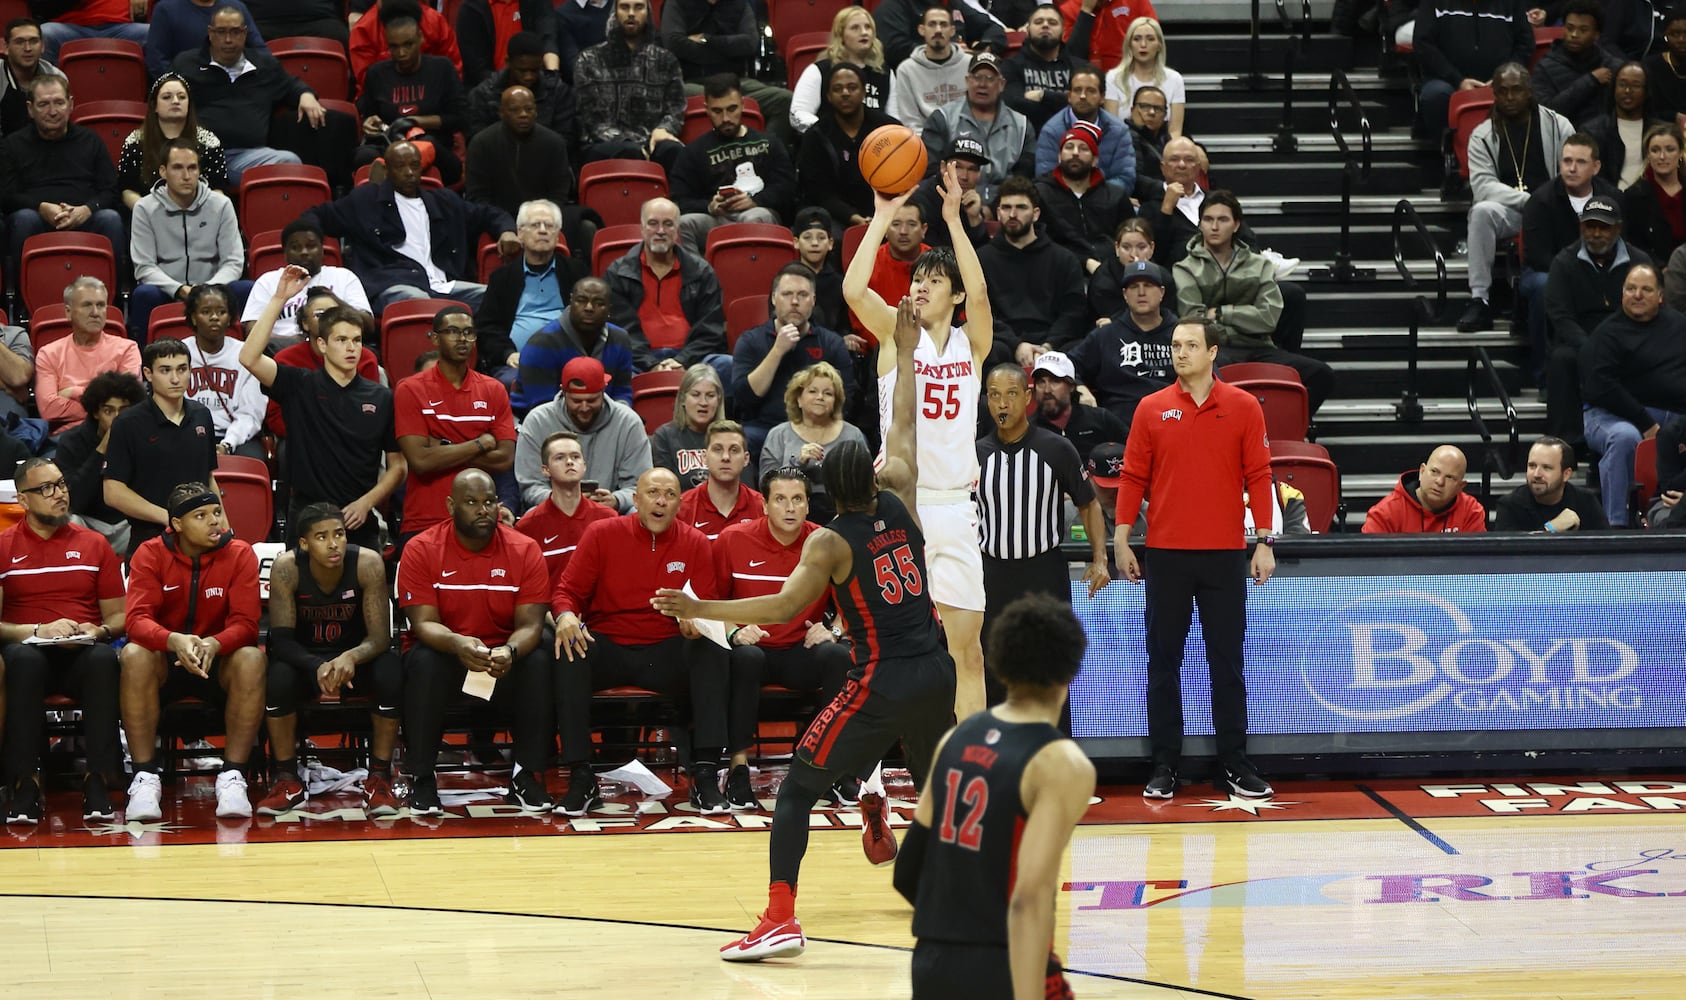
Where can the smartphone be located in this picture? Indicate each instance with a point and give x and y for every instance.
(726, 193)
(588, 486)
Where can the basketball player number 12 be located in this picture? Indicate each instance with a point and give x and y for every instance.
(936, 406)
(976, 797)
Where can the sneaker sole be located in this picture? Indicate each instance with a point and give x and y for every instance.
(428, 811)
(142, 817)
(719, 810)
(1149, 793)
(516, 800)
(739, 807)
(782, 946)
(103, 817)
(231, 814)
(1244, 793)
(266, 810)
(22, 820)
(381, 812)
(596, 802)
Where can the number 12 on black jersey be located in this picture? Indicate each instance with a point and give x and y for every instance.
(975, 797)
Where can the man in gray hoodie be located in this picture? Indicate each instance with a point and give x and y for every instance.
(932, 76)
(611, 435)
(184, 234)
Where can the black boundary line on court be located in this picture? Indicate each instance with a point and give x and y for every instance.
(1406, 818)
(561, 916)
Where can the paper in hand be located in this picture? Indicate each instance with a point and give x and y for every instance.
(712, 630)
(479, 684)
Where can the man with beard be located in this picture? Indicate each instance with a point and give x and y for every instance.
(610, 434)
(768, 355)
(1548, 501)
(1126, 359)
(1039, 74)
(1036, 286)
(1083, 425)
(932, 76)
(731, 173)
(475, 593)
(1582, 289)
(1081, 210)
(631, 96)
(1007, 138)
(1115, 152)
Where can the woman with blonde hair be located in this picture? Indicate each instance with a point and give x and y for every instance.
(681, 444)
(1144, 64)
(854, 39)
(814, 403)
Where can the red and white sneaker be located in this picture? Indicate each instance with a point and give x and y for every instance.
(285, 794)
(378, 798)
(877, 839)
(767, 940)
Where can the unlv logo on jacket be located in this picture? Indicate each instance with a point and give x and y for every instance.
(217, 380)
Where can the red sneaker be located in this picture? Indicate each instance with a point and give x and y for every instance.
(285, 794)
(877, 839)
(378, 800)
(767, 940)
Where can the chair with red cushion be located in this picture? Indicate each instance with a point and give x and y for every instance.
(50, 261)
(746, 255)
(1307, 467)
(1252, 371)
(618, 189)
(1467, 109)
(1286, 405)
(104, 69)
(744, 313)
(791, 18)
(802, 51)
(654, 403)
(248, 497)
(112, 120)
(273, 195)
(319, 62)
(612, 242)
(52, 322)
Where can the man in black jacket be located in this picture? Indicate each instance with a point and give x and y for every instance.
(1550, 222)
(1036, 287)
(898, 21)
(81, 454)
(1459, 43)
(1129, 355)
(1038, 74)
(1081, 210)
(768, 356)
(1573, 78)
(685, 322)
(394, 221)
(1085, 426)
(712, 37)
(517, 160)
(524, 67)
(418, 94)
(731, 173)
(527, 292)
(1548, 501)
(1582, 290)
(56, 176)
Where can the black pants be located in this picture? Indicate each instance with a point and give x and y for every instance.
(1563, 393)
(381, 681)
(367, 535)
(1007, 580)
(433, 681)
(1177, 580)
(329, 147)
(692, 672)
(944, 970)
(822, 668)
(87, 673)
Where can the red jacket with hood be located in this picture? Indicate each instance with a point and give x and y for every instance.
(214, 595)
(1400, 513)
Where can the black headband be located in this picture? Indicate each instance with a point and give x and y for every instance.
(193, 503)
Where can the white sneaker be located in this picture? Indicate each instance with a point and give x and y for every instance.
(232, 800)
(143, 806)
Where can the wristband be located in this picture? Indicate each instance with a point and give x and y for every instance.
(1550, 528)
(514, 651)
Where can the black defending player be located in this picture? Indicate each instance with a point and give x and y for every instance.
(981, 862)
(902, 685)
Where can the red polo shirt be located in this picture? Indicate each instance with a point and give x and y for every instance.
(891, 279)
(558, 532)
(428, 405)
(698, 511)
(1195, 462)
(660, 315)
(476, 592)
(752, 563)
(65, 575)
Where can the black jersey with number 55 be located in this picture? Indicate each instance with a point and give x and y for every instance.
(885, 604)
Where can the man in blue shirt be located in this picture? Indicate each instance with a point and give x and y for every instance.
(526, 293)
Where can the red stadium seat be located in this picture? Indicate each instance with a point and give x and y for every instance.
(802, 51)
(1249, 371)
(265, 254)
(697, 124)
(852, 237)
(790, 18)
(430, 177)
(104, 69)
(1015, 42)
(319, 62)
(248, 497)
(667, 378)
(272, 196)
(618, 189)
(1646, 482)
(744, 313)
(1467, 109)
(1543, 39)
(490, 259)
(655, 404)
(1286, 405)
(113, 120)
(51, 322)
(612, 242)
(404, 329)
(746, 256)
(50, 261)
(1307, 468)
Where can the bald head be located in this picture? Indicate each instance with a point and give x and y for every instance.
(1441, 478)
(518, 109)
(1180, 163)
(471, 479)
(659, 219)
(473, 506)
(657, 499)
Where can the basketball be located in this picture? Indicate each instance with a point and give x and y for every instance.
(892, 159)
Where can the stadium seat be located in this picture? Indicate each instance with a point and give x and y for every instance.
(104, 69)
(248, 497)
(696, 122)
(1307, 468)
(1543, 39)
(852, 237)
(1015, 42)
(802, 51)
(1467, 109)
(1646, 482)
(113, 120)
(654, 403)
(612, 242)
(617, 189)
(746, 312)
(746, 256)
(264, 253)
(1249, 371)
(791, 18)
(404, 329)
(52, 322)
(50, 261)
(272, 196)
(319, 62)
(667, 378)
(1286, 405)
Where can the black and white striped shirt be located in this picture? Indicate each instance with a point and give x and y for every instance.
(1020, 491)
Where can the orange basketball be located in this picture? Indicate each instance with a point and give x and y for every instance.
(892, 159)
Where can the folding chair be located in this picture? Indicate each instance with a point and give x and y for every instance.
(747, 255)
(271, 196)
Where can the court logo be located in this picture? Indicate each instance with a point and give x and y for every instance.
(1409, 651)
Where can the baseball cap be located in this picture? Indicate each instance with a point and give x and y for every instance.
(1601, 209)
(1143, 270)
(985, 59)
(964, 147)
(1055, 364)
(1106, 464)
(584, 374)
(812, 218)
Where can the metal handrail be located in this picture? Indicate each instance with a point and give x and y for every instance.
(1409, 409)
(1353, 170)
(1492, 458)
(1286, 141)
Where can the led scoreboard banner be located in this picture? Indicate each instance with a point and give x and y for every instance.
(1422, 644)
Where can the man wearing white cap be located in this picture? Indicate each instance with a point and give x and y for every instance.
(1054, 382)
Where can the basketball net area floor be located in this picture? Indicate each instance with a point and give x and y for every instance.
(1489, 887)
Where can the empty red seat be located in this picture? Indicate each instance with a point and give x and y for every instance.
(104, 69)
(112, 120)
(319, 62)
(1307, 467)
(745, 312)
(271, 196)
(618, 189)
(746, 255)
(612, 242)
(50, 261)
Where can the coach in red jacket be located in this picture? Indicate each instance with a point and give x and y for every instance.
(193, 611)
(1195, 446)
(1431, 499)
(609, 635)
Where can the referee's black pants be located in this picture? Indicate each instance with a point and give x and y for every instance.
(1177, 580)
(1007, 580)
(433, 681)
(693, 672)
(87, 673)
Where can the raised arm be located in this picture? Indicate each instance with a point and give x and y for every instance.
(874, 313)
(291, 282)
(900, 473)
(980, 322)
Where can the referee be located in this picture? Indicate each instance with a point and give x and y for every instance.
(1194, 447)
(1024, 475)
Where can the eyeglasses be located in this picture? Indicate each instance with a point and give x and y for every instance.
(1157, 109)
(52, 489)
(459, 332)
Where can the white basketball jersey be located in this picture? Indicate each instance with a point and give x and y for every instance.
(946, 393)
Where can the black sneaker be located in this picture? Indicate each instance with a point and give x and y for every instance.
(1163, 784)
(845, 793)
(1239, 778)
(739, 795)
(705, 790)
(96, 799)
(1478, 316)
(526, 789)
(424, 796)
(583, 794)
(25, 808)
